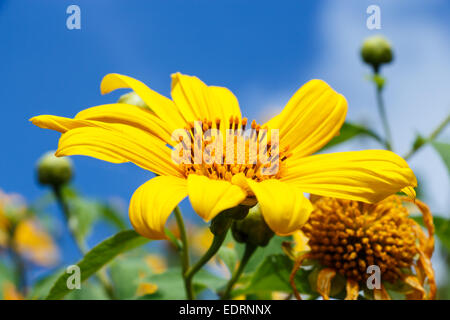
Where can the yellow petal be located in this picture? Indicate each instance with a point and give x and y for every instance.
(210, 197)
(352, 290)
(117, 146)
(284, 207)
(153, 202)
(130, 115)
(163, 107)
(311, 118)
(414, 283)
(367, 176)
(197, 101)
(301, 242)
(324, 282)
(59, 124)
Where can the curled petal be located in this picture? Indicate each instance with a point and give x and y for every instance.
(352, 290)
(324, 282)
(297, 264)
(153, 202)
(414, 283)
(425, 264)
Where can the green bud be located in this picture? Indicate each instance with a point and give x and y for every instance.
(252, 229)
(54, 170)
(375, 51)
(133, 99)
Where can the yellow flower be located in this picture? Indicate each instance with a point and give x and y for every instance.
(34, 243)
(23, 233)
(10, 292)
(124, 133)
(349, 238)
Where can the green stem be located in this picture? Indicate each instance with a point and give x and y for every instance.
(184, 253)
(249, 250)
(219, 238)
(384, 119)
(101, 275)
(430, 138)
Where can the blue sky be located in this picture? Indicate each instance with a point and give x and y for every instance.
(263, 51)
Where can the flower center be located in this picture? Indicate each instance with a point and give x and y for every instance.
(349, 236)
(220, 151)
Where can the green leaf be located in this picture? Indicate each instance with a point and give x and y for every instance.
(349, 131)
(273, 275)
(97, 258)
(274, 247)
(88, 291)
(444, 150)
(112, 215)
(42, 286)
(171, 287)
(83, 214)
(126, 272)
(229, 257)
(442, 229)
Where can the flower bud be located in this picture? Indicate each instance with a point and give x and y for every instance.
(54, 170)
(252, 229)
(375, 51)
(133, 99)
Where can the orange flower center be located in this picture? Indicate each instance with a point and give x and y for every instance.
(221, 153)
(349, 236)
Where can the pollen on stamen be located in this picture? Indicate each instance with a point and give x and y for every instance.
(245, 149)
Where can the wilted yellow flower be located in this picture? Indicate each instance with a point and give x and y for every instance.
(125, 133)
(347, 237)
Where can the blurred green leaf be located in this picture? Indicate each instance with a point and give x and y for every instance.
(171, 287)
(88, 291)
(442, 229)
(126, 273)
(42, 286)
(83, 214)
(274, 247)
(273, 275)
(112, 215)
(229, 257)
(349, 131)
(6, 275)
(97, 258)
(444, 150)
